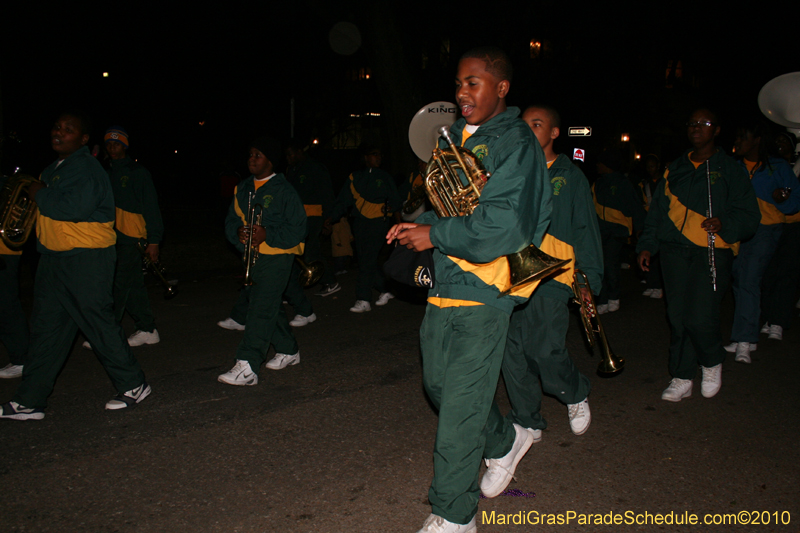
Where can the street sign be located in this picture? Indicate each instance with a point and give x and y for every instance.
(581, 131)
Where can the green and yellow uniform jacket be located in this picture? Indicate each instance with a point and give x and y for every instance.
(137, 213)
(648, 185)
(313, 183)
(513, 212)
(681, 203)
(368, 190)
(76, 209)
(619, 209)
(573, 232)
(283, 216)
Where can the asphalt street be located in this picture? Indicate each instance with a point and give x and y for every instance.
(342, 441)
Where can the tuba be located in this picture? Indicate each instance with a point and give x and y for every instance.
(18, 211)
(609, 363)
(450, 197)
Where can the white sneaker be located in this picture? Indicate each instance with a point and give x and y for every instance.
(743, 350)
(657, 293)
(648, 292)
(86, 345)
(613, 305)
(361, 306)
(602, 309)
(500, 471)
(143, 337)
(775, 332)
(11, 371)
(300, 320)
(240, 374)
(678, 390)
(712, 381)
(282, 360)
(230, 323)
(130, 398)
(625, 266)
(579, 416)
(437, 524)
(734, 346)
(765, 328)
(537, 435)
(384, 298)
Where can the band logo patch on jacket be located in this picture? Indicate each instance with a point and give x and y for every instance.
(266, 201)
(713, 176)
(614, 190)
(558, 182)
(124, 180)
(378, 182)
(302, 178)
(481, 151)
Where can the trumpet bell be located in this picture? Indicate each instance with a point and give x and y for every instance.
(611, 364)
(311, 272)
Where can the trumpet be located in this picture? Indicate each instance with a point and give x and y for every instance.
(251, 252)
(18, 211)
(450, 197)
(158, 269)
(592, 327)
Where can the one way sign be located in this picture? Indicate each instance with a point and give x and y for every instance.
(582, 131)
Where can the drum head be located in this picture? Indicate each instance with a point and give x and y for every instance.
(423, 132)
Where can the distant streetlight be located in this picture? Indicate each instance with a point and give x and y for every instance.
(105, 74)
(626, 137)
(315, 141)
(536, 48)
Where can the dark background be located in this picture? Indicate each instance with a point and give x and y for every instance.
(634, 68)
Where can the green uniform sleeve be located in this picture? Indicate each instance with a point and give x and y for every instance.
(512, 213)
(150, 209)
(285, 219)
(741, 216)
(659, 209)
(232, 224)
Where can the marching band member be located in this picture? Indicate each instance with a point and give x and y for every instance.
(278, 238)
(74, 280)
(536, 346)
(464, 331)
(678, 228)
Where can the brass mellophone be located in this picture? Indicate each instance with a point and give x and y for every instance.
(17, 211)
(592, 327)
(450, 197)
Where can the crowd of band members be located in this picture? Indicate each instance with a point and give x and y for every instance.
(92, 221)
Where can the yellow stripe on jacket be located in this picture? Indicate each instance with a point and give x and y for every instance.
(613, 215)
(313, 210)
(366, 208)
(770, 214)
(60, 236)
(131, 224)
(689, 223)
(556, 248)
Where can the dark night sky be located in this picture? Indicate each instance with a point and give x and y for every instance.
(236, 68)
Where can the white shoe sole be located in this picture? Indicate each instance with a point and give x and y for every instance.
(522, 451)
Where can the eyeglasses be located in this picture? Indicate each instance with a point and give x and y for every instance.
(697, 124)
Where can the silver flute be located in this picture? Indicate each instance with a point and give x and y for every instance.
(712, 237)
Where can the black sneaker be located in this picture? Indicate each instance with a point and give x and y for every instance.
(327, 290)
(130, 398)
(15, 411)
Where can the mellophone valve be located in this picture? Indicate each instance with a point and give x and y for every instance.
(592, 327)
